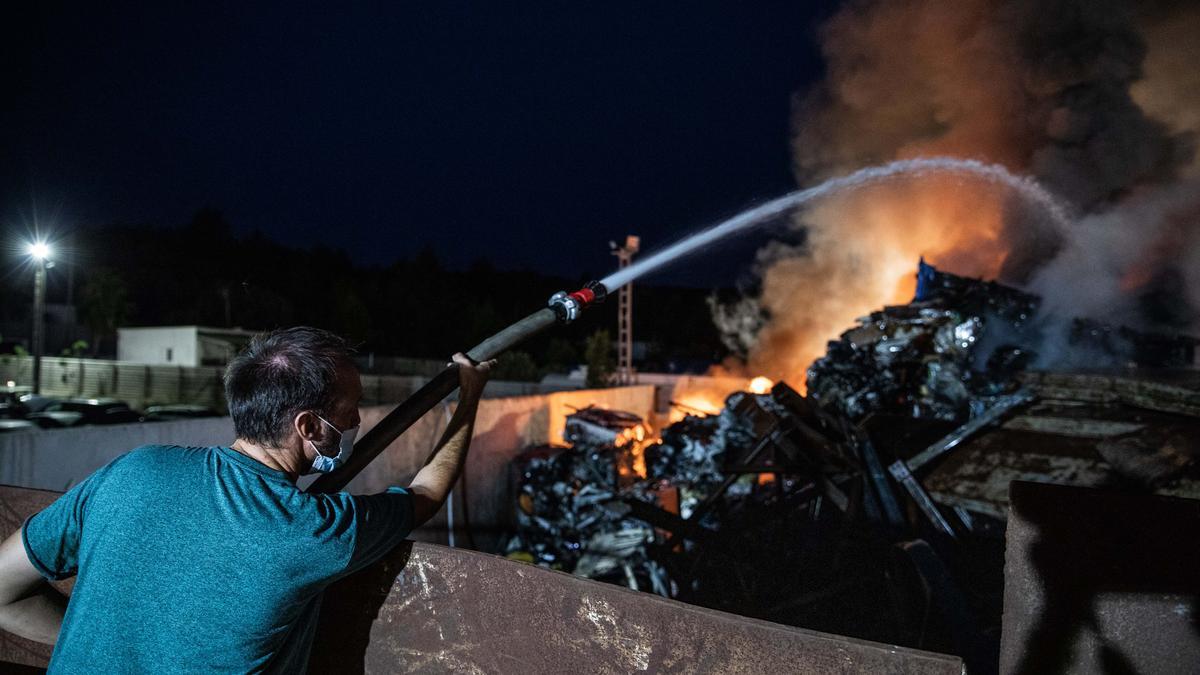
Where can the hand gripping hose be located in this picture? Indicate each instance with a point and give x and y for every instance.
(563, 308)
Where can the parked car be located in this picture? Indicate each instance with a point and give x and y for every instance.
(36, 402)
(7, 425)
(11, 407)
(80, 411)
(178, 411)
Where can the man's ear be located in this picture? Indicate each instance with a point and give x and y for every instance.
(308, 426)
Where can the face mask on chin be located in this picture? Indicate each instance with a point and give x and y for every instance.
(325, 464)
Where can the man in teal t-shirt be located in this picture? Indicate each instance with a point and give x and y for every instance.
(211, 559)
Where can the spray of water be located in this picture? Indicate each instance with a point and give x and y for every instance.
(1027, 188)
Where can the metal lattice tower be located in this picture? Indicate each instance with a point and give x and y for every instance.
(624, 255)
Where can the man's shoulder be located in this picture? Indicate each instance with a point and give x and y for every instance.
(145, 456)
(157, 449)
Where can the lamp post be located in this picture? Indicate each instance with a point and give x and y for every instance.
(39, 251)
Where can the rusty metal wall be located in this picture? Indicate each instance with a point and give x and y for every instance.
(428, 608)
(1097, 581)
(17, 504)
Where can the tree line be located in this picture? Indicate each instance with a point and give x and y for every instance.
(203, 273)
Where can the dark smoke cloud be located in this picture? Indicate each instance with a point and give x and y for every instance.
(1041, 87)
(1098, 99)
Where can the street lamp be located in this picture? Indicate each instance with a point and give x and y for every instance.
(40, 252)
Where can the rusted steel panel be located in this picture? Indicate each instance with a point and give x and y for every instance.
(1097, 581)
(431, 609)
(427, 608)
(977, 475)
(1072, 443)
(1067, 426)
(1175, 392)
(17, 504)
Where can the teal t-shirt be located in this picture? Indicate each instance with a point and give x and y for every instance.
(201, 560)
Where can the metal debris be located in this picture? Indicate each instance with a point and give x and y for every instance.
(780, 506)
(1001, 407)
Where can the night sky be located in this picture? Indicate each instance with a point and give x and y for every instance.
(528, 134)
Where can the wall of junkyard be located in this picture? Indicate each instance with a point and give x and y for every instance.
(137, 384)
(57, 459)
(142, 385)
(504, 427)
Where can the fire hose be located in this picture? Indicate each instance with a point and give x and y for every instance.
(563, 308)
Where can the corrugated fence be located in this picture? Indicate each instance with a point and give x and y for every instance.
(142, 385)
(137, 384)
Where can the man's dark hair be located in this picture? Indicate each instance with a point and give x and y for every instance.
(279, 375)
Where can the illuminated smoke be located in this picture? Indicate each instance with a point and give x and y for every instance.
(1047, 89)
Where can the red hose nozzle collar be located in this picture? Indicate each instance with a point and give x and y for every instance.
(568, 305)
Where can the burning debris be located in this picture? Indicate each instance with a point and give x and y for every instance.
(958, 346)
(875, 503)
(577, 511)
(922, 359)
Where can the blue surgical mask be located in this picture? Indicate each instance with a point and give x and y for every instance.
(324, 464)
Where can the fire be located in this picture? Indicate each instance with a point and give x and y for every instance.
(695, 403)
(761, 385)
(861, 255)
(635, 439)
(635, 434)
(707, 396)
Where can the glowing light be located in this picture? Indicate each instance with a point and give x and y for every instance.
(11, 384)
(862, 254)
(761, 385)
(40, 250)
(695, 403)
(634, 441)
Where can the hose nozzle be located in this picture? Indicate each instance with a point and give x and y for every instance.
(567, 306)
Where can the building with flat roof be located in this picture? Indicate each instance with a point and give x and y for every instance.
(180, 345)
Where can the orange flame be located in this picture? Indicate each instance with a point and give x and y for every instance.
(862, 254)
(696, 403)
(761, 385)
(634, 439)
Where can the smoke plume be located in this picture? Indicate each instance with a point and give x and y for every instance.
(1097, 100)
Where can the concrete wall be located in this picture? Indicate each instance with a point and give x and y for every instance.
(57, 459)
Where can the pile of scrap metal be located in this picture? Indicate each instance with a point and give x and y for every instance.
(964, 353)
(874, 507)
(961, 343)
(565, 497)
(774, 508)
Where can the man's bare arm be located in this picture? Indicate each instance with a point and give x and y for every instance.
(433, 482)
(29, 606)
